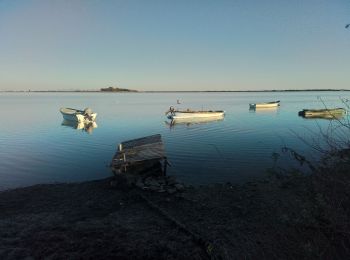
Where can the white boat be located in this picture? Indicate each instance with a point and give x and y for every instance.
(76, 115)
(265, 105)
(188, 114)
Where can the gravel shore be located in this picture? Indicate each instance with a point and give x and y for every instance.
(283, 217)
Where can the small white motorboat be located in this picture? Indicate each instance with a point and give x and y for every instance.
(173, 113)
(265, 105)
(76, 115)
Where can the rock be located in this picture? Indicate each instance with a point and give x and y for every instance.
(171, 190)
(171, 180)
(161, 181)
(154, 188)
(114, 183)
(140, 184)
(154, 183)
(148, 181)
(179, 186)
(130, 179)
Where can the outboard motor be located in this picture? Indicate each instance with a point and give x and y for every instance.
(88, 113)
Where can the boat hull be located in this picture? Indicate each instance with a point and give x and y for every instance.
(265, 105)
(182, 115)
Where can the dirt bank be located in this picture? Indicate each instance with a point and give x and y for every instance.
(283, 217)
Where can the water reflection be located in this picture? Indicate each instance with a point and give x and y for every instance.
(84, 126)
(264, 110)
(38, 151)
(193, 121)
(327, 117)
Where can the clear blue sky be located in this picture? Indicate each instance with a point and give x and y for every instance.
(174, 45)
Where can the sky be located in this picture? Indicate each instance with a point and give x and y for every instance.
(174, 45)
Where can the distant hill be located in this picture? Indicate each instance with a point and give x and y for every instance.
(112, 89)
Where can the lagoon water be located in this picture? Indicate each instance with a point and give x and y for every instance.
(37, 147)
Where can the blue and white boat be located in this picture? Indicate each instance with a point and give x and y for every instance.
(76, 115)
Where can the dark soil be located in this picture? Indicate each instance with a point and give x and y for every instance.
(282, 218)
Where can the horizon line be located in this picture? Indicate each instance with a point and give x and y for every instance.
(169, 91)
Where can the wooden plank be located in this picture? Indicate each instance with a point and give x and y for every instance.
(141, 153)
(141, 141)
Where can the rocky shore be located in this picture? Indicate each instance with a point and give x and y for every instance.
(284, 217)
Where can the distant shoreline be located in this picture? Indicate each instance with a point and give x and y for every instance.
(171, 91)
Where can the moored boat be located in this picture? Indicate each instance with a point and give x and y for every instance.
(265, 105)
(327, 113)
(76, 115)
(188, 114)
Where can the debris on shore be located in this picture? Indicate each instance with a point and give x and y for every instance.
(160, 184)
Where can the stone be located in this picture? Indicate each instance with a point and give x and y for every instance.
(171, 180)
(154, 188)
(154, 183)
(179, 186)
(148, 181)
(130, 179)
(171, 190)
(114, 184)
(161, 181)
(140, 184)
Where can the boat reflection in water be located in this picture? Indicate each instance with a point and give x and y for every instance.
(327, 117)
(264, 110)
(193, 121)
(84, 126)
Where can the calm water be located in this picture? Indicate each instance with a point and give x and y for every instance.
(36, 148)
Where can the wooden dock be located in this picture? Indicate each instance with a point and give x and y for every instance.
(139, 155)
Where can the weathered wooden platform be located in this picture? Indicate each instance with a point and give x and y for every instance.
(138, 153)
